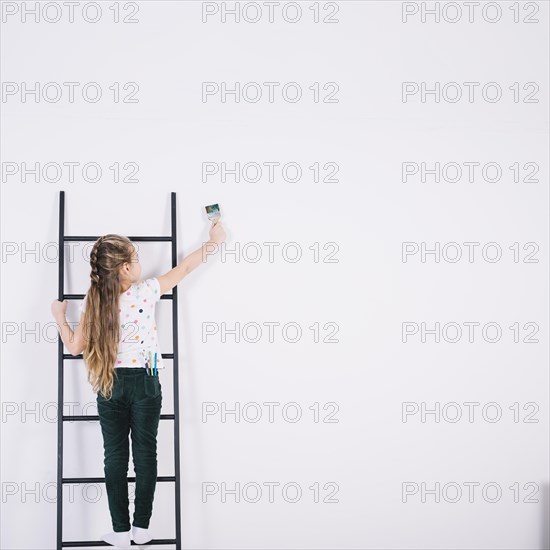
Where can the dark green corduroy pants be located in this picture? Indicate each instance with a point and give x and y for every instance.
(134, 406)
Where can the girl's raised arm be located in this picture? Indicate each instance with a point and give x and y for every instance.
(169, 280)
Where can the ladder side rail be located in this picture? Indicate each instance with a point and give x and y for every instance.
(60, 376)
(175, 369)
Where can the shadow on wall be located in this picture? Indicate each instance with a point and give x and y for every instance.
(545, 511)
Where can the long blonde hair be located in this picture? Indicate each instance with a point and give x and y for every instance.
(101, 321)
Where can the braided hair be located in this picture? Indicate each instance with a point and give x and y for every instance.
(101, 315)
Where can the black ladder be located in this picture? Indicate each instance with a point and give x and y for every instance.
(62, 356)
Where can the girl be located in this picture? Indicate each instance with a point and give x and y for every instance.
(118, 339)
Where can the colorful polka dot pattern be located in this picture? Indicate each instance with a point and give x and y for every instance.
(137, 324)
(133, 348)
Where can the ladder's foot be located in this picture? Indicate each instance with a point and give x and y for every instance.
(140, 535)
(118, 540)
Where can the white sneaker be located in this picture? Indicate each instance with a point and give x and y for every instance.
(140, 535)
(118, 540)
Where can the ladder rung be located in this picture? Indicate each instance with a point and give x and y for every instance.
(102, 479)
(77, 544)
(138, 238)
(79, 356)
(88, 417)
(81, 296)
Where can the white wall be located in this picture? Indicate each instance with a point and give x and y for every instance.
(364, 459)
